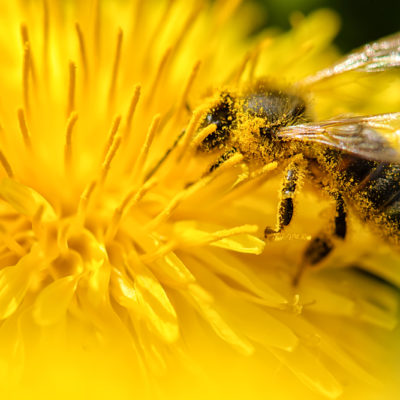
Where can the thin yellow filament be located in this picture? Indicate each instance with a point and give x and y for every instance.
(10, 242)
(71, 88)
(6, 165)
(157, 78)
(189, 84)
(105, 168)
(159, 27)
(192, 128)
(146, 146)
(85, 198)
(26, 42)
(111, 135)
(130, 200)
(175, 201)
(189, 23)
(96, 29)
(131, 111)
(25, 76)
(36, 221)
(68, 140)
(209, 238)
(24, 128)
(240, 70)
(117, 58)
(45, 53)
(82, 51)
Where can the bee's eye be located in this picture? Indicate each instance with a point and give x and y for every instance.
(222, 116)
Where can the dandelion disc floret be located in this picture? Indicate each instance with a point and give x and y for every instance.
(127, 271)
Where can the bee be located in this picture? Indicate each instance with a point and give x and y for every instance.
(347, 156)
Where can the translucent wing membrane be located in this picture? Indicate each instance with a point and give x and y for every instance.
(370, 137)
(377, 56)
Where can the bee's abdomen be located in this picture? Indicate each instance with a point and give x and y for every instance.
(374, 186)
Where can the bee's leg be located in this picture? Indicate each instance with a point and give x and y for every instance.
(323, 244)
(221, 159)
(290, 183)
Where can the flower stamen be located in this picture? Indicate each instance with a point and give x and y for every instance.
(112, 134)
(71, 88)
(183, 101)
(68, 140)
(140, 161)
(82, 51)
(153, 88)
(6, 165)
(23, 126)
(132, 198)
(117, 58)
(45, 37)
(131, 111)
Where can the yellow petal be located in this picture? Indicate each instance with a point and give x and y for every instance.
(14, 283)
(52, 303)
(242, 243)
(25, 200)
(306, 366)
(201, 302)
(157, 309)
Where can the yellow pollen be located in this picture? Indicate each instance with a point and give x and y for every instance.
(71, 88)
(24, 128)
(202, 135)
(68, 140)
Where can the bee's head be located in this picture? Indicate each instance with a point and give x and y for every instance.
(275, 107)
(223, 115)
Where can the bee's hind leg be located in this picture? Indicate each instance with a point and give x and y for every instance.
(322, 245)
(293, 174)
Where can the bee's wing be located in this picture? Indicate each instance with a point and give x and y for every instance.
(381, 55)
(361, 136)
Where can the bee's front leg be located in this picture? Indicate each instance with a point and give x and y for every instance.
(322, 245)
(293, 176)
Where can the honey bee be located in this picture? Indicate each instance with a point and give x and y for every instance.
(348, 157)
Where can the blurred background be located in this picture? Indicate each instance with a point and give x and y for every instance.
(362, 20)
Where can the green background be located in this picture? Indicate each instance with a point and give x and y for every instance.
(362, 20)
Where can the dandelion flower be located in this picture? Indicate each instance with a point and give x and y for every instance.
(119, 279)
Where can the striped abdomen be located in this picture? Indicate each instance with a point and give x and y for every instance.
(374, 189)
